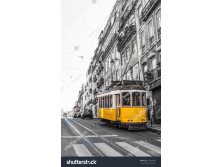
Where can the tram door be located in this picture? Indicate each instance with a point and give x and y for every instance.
(117, 107)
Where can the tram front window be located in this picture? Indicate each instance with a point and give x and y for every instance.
(143, 99)
(136, 98)
(126, 98)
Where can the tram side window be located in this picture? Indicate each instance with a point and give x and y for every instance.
(108, 101)
(117, 99)
(105, 103)
(136, 98)
(110, 106)
(144, 99)
(126, 98)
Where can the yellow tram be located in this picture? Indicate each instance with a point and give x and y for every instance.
(124, 106)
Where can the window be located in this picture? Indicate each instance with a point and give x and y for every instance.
(106, 65)
(115, 16)
(109, 62)
(142, 40)
(117, 75)
(139, 11)
(136, 98)
(100, 102)
(127, 54)
(125, 77)
(145, 67)
(110, 101)
(154, 63)
(158, 19)
(134, 47)
(143, 99)
(117, 100)
(106, 102)
(112, 20)
(159, 23)
(117, 58)
(150, 30)
(126, 99)
(122, 58)
(131, 20)
(135, 72)
(103, 102)
(129, 75)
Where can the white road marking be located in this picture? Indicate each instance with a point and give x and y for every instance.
(107, 150)
(101, 137)
(149, 146)
(89, 136)
(83, 136)
(133, 150)
(81, 150)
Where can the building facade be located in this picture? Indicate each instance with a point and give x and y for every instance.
(150, 30)
(129, 48)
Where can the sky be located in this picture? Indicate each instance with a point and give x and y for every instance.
(82, 22)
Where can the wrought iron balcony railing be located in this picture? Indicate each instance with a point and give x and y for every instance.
(90, 90)
(95, 91)
(100, 68)
(154, 75)
(100, 82)
(148, 9)
(151, 40)
(126, 14)
(128, 33)
(94, 78)
(109, 46)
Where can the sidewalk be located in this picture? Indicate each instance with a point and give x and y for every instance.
(154, 126)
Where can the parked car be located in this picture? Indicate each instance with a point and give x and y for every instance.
(87, 114)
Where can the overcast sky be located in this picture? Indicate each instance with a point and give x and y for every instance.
(82, 22)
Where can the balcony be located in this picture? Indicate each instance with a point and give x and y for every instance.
(100, 82)
(90, 90)
(95, 101)
(126, 14)
(153, 77)
(109, 46)
(89, 102)
(95, 91)
(94, 78)
(151, 40)
(148, 9)
(93, 68)
(106, 34)
(100, 68)
(128, 33)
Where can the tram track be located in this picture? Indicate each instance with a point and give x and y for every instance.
(85, 139)
(131, 133)
(115, 146)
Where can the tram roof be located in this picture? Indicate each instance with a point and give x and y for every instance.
(124, 85)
